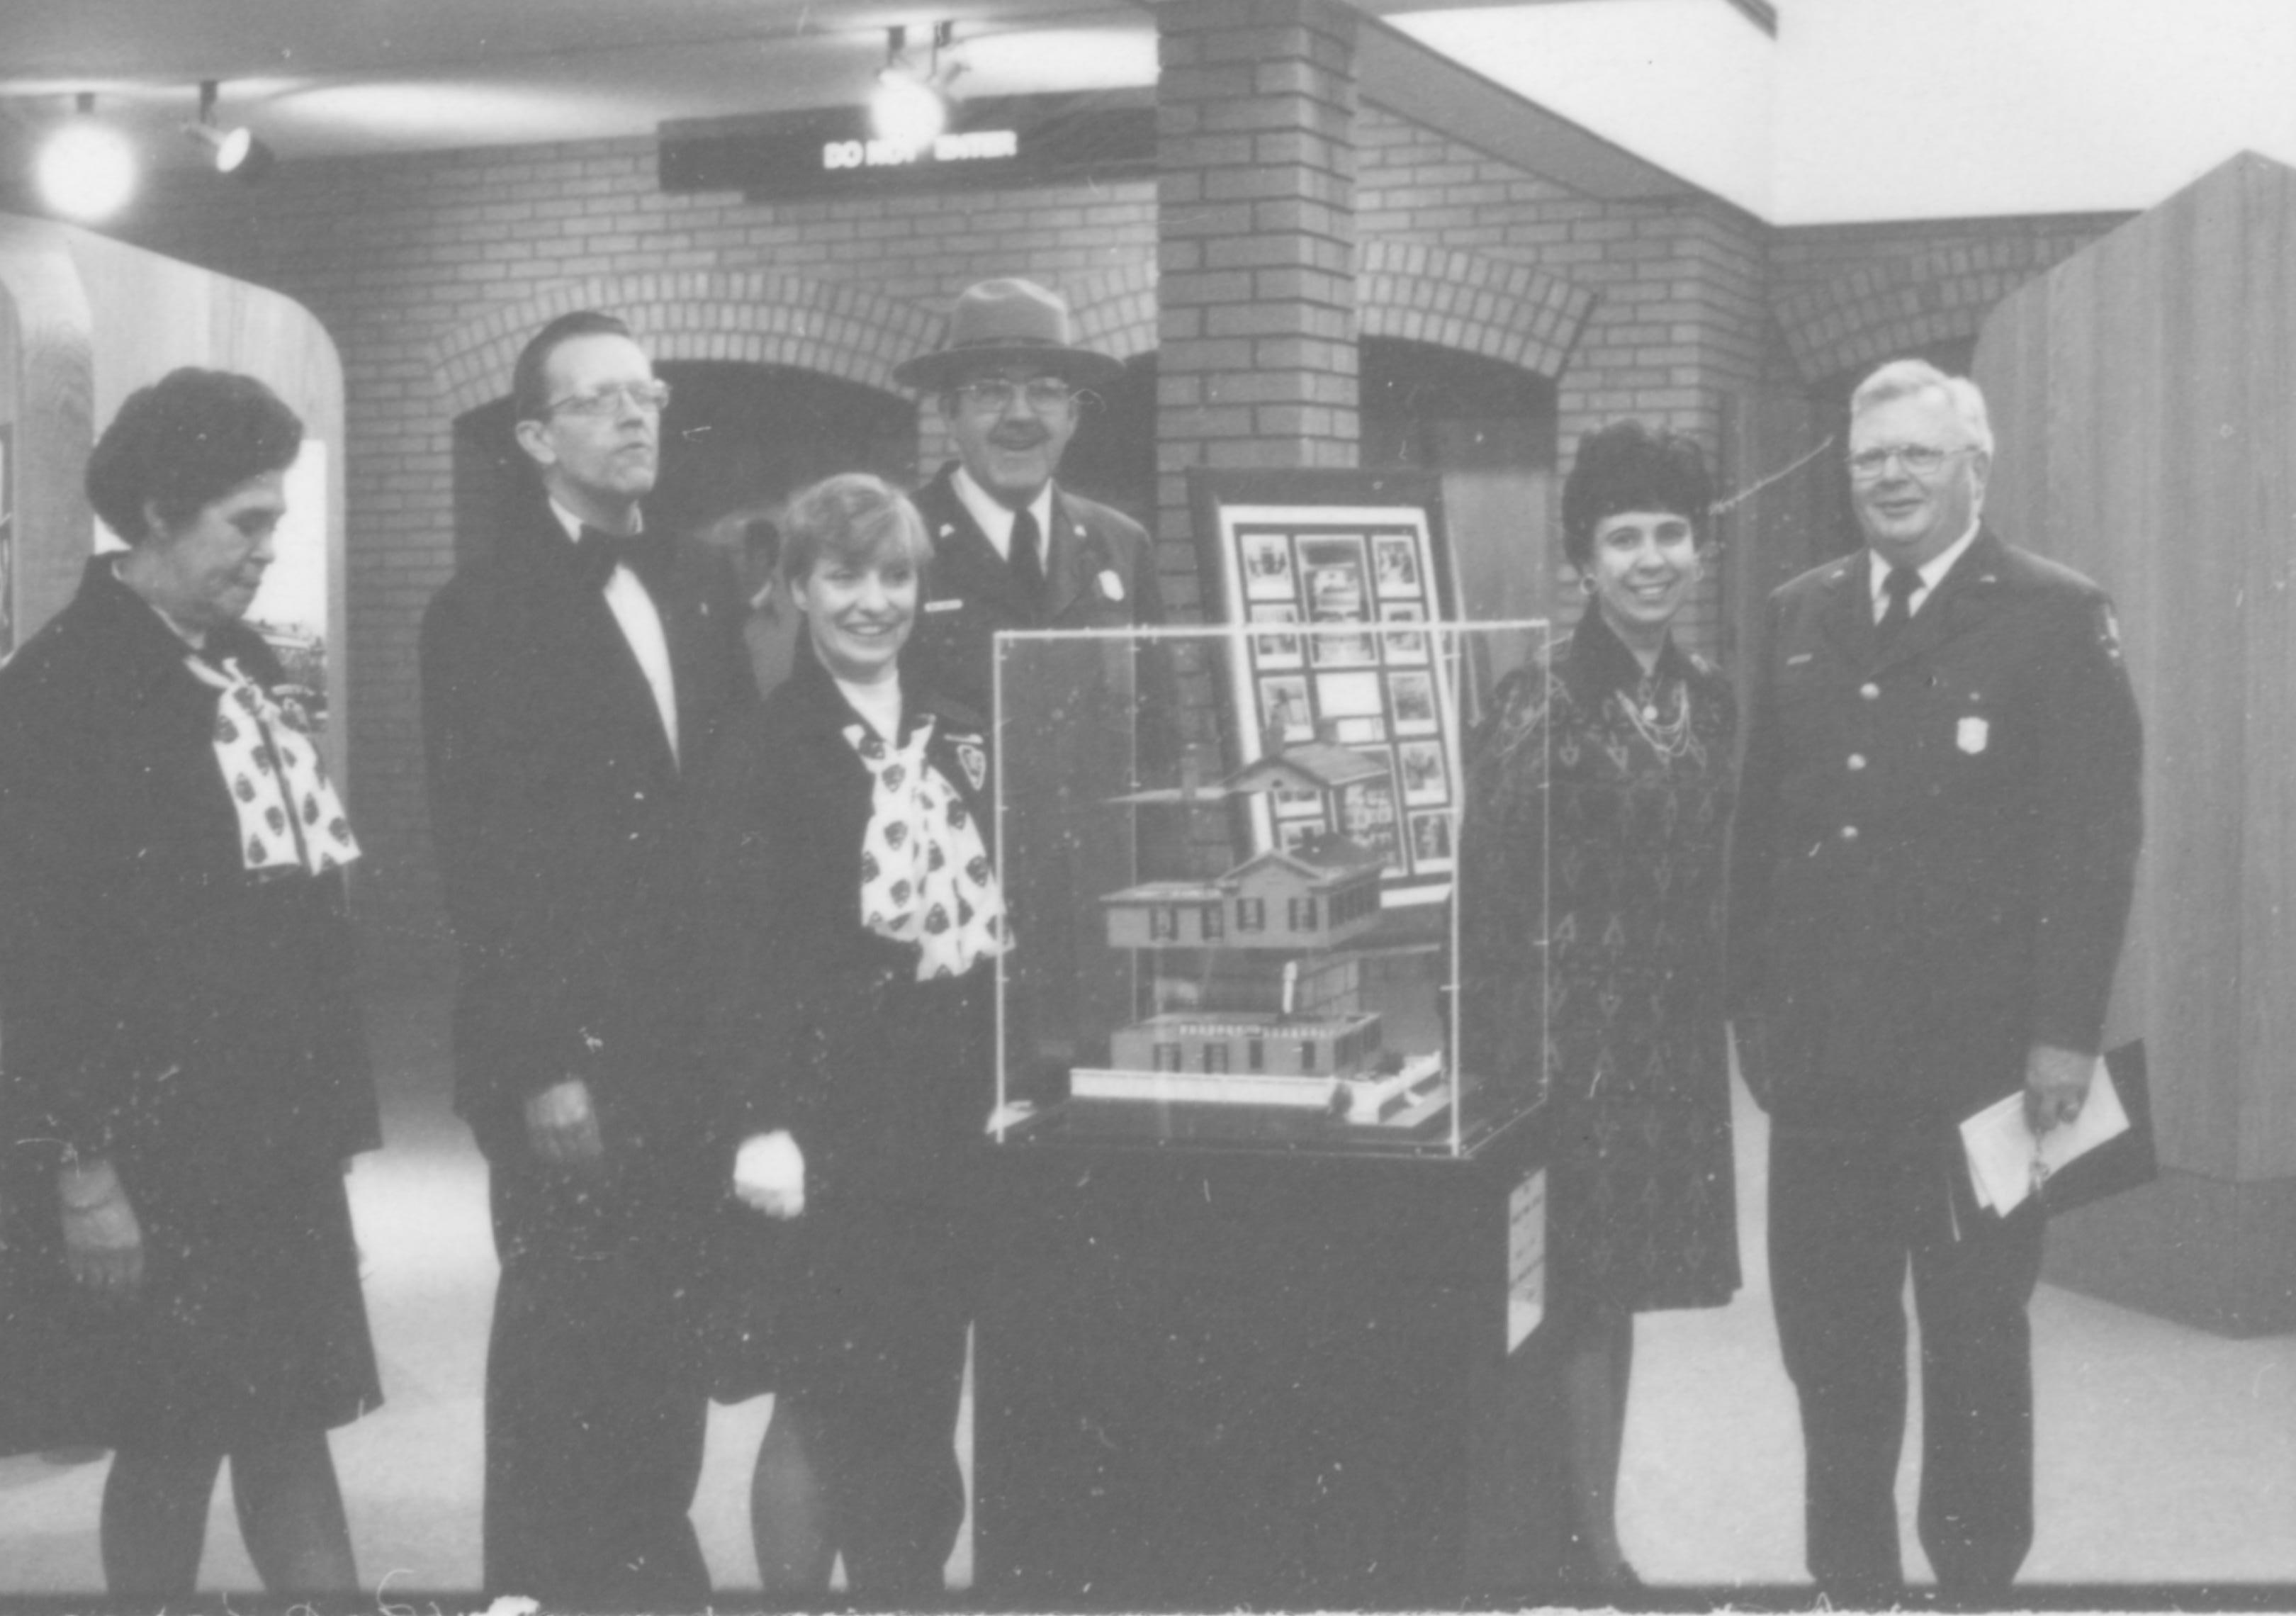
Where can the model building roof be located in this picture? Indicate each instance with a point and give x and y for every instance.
(1317, 857)
(1310, 765)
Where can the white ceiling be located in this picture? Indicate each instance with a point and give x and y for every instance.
(330, 78)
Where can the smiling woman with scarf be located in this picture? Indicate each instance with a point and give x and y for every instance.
(854, 923)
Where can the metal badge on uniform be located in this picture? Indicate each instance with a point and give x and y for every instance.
(1971, 734)
(1111, 587)
(2109, 630)
(974, 761)
(946, 603)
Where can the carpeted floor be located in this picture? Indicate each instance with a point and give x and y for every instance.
(2167, 1455)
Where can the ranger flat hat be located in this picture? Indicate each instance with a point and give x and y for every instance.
(1008, 321)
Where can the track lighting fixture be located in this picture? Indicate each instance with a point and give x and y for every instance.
(86, 169)
(910, 105)
(235, 149)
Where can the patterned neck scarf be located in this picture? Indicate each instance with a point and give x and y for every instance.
(924, 872)
(290, 818)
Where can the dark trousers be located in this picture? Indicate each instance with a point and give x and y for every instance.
(1847, 1214)
(595, 1406)
(877, 1391)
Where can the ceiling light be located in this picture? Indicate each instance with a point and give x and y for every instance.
(235, 149)
(910, 105)
(86, 169)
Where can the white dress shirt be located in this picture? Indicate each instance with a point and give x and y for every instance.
(1931, 570)
(641, 624)
(995, 517)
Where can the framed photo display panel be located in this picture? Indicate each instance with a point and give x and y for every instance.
(1327, 570)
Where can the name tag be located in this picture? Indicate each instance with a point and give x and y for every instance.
(1971, 734)
(950, 603)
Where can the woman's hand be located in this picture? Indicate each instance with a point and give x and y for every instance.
(563, 1125)
(769, 1173)
(103, 1244)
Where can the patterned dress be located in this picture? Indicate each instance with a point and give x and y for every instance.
(1605, 795)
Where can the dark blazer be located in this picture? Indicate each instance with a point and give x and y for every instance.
(556, 811)
(163, 1006)
(818, 1024)
(1100, 573)
(1935, 849)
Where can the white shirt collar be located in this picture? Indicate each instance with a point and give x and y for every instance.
(573, 524)
(1932, 571)
(996, 517)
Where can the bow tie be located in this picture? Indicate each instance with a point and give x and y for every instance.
(597, 553)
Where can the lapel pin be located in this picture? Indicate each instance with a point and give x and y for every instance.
(1110, 585)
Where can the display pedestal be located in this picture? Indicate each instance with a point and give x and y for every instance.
(1207, 1379)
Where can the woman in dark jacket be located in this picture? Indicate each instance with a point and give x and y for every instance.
(185, 1072)
(1598, 801)
(855, 923)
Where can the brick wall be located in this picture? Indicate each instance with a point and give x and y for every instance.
(1849, 296)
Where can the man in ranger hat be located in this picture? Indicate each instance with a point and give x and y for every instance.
(1012, 550)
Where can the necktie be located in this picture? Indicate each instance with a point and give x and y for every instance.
(1899, 586)
(598, 552)
(1028, 565)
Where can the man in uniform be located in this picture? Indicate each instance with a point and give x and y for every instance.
(1931, 870)
(575, 679)
(1011, 548)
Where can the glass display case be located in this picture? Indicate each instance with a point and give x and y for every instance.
(1229, 856)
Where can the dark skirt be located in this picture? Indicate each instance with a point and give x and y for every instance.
(1642, 1210)
(840, 1300)
(250, 1323)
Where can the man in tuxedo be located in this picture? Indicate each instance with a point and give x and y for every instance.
(575, 679)
(1932, 865)
(1011, 548)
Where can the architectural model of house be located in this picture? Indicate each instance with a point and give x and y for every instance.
(1257, 999)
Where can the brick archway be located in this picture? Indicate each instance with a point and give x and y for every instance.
(1115, 309)
(1857, 320)
(759, 317)
(1509, 311)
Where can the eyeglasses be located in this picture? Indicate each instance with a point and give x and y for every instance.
(1920, 459)
(651, 397)
(996, 393)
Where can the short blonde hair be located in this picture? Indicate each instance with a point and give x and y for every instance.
(1905, 378)
(854, 517)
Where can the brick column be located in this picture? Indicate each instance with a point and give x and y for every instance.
(1255, 245)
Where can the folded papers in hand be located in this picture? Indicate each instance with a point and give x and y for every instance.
(2008, 1161)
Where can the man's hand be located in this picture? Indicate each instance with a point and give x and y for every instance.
(2056, 1082)
(563, 1126)
(769, 1173)
(103, 1244)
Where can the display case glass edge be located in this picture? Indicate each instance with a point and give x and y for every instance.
(1198, 1003)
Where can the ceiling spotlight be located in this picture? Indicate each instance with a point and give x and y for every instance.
(86, 169)
(234, 151)
(910, 105)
